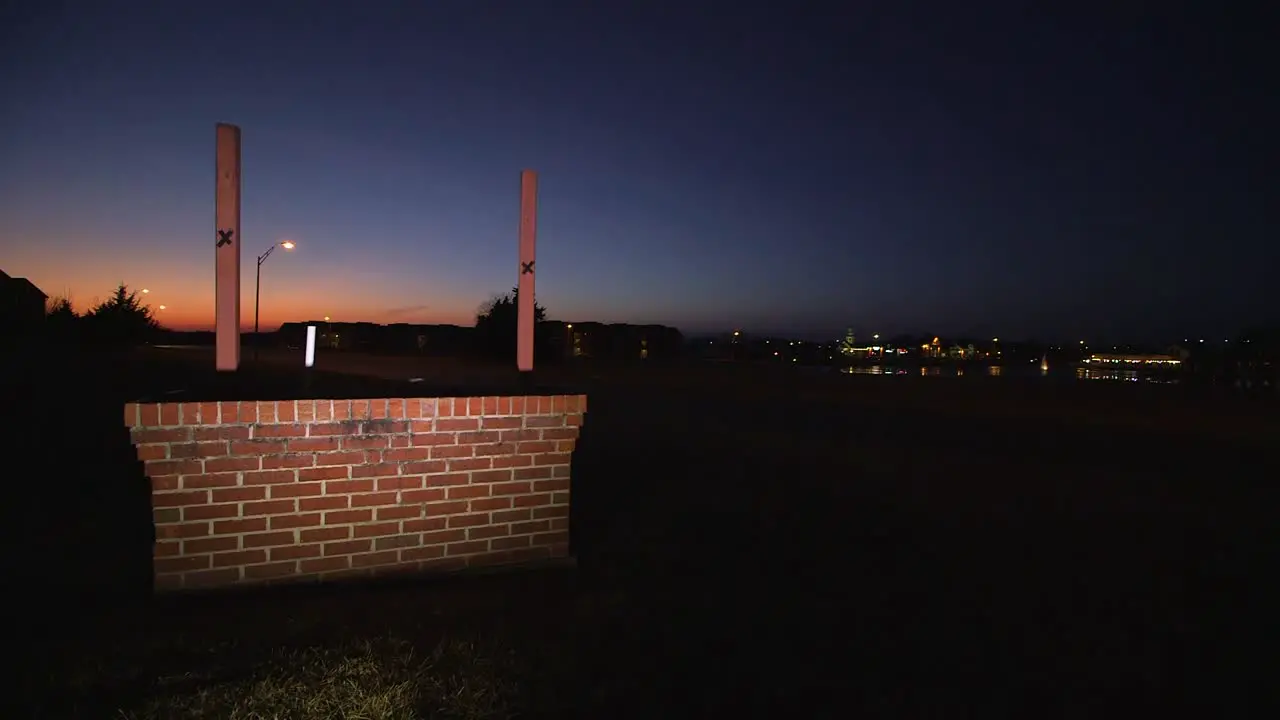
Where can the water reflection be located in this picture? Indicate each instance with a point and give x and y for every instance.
(1121, 375)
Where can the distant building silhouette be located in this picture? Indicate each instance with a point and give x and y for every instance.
(22, 304)
(611, 342)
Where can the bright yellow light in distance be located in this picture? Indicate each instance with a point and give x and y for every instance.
(287, 245)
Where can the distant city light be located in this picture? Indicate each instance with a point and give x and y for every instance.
(162, 307)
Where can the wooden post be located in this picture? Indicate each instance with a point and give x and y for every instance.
(227, 257)
(525, 286)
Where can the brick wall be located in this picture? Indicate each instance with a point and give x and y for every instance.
(246, 492)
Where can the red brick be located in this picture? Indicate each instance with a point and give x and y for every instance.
(158, 451)
(324, 564)
(558, 484)
(469, 520)
(348, 457)
(428, 495)
(450, 452)
(164, 483)
(427, 524)
(484, 532)
(324, 534)
(551, 538)
(148, 415)
(531, 500)
(268, 539)
(528, 528)
(266, 411)
(375, 558)
(344, 517)
(509, 543)
(366, 442)
(336, 472)
(456, 424)
(285, 522)
(180, 499)
(270, 477)
(502, 423)
(232, 464)
(302, 489)
(533, 473)
(346, 547)
(280, 431)
(346, 487)
(552, 459)
(202, 434)
(467, 548)
(292, 552)
(464, 464)
(210, 512)
(538, 446)
(334, 428)
(291, 460)
(515, 515)
(236, 527)
(198, 450)
(430, 552)
(560, 434)
(544, 421)
(317, 445)
(401, 512)
(239, 557)
(328, 502)
(404, 482)
(206, 545)
(375, 498)
(452, 507)
(185, 563)
(462, 492)
(211, 578)
(391, 542)
(170, 414)
(512, 461)
(182, 530)
(269, 507)
(511, 488)
(166, 549)
(174, 467)
(271, 570)
(491, 476)
(377, 470)
(485, 504)
(479, 437)
(386, 528)
(406, 454)
(239, 494)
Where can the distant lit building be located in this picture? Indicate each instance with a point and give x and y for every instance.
(1132, 360)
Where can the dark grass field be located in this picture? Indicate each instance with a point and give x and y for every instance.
(748, 542)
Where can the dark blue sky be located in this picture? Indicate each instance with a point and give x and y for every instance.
(1010, 170)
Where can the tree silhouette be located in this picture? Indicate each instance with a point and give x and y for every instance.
(121, 319)
(497, 322)
(61, 320)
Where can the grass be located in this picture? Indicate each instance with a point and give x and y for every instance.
(374, 679)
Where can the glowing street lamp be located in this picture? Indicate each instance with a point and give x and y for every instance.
(257, 289)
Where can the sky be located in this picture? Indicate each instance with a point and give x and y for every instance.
(1085, 169)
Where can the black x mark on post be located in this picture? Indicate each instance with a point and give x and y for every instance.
(224, 237)
(526, 268)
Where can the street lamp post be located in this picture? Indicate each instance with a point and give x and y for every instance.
(257, 291)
